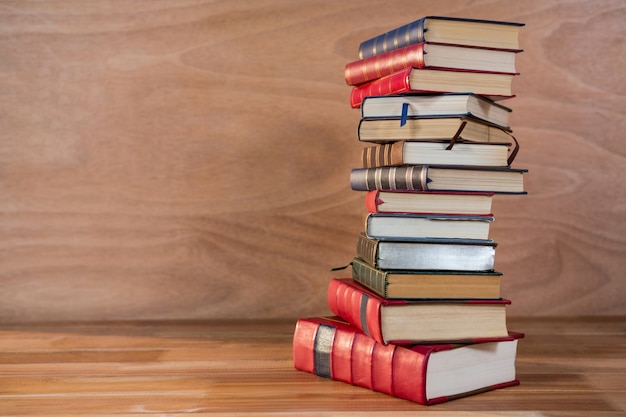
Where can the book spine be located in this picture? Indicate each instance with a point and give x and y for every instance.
(367, 249)
(402, 36)
(386, 154)
(373, 278)
(410, 177)
(341, 353)
(357, 308)
(396, 83)
(371, 68)
(372, 201)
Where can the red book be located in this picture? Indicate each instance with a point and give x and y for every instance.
(426, 55)
(404, 321)
(423, 80)
(426, 374)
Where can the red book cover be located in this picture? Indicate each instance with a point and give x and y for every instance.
(416, 56)
(377, 66)
(400, 83)
(333, 349)
(362, 308)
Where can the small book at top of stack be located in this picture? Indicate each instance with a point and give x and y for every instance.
(438, 149)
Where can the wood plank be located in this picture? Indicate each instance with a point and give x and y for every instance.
(218, 368)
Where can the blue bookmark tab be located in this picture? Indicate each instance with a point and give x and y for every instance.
(405, 111)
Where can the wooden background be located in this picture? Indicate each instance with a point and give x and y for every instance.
(181, 159)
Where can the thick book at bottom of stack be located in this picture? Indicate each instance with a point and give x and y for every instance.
(426, 374)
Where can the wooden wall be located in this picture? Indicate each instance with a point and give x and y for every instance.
(189, 159)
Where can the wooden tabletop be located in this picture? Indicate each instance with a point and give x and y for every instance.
(567, 367)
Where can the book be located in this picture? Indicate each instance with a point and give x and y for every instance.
(433, 105)
(411, 226)
(428, 55)
(427, 284)
(433, 254)
(437, 153)
(495, 86)
(416, 321)
(447, 30)
(439, 178)
(431, 129)
(377, 201)
(426, 374)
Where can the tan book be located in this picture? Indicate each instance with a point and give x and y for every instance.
(436, 153)
(427, 284)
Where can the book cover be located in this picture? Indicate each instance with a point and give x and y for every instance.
(432, 254)
(501, 180)
(402, 152)
(446, 30)
(424, 227)
(424, 80)
(331, 348)
(450, 129)
(416, 321)
(440, 202)
(426, 55)
(427, 284)
(406, 106)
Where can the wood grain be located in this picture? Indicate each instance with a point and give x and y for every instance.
(567, 367)
(187, 159)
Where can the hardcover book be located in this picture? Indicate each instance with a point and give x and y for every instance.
(427, 284)
(431, 129)
(437, 153)
(442, 202)
(416, 321)
(436, 105)
(427, 55)
(419, 227)
(446, 30)
(425, 374)
(432, 254)
(424, 80)
(439, 178)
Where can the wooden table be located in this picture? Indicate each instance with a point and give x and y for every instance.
(567, 367)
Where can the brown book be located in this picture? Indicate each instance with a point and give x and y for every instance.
(431, 129)
(427, 284)
(437, 153)
(438, 178)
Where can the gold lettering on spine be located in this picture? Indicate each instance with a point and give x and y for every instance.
(424, 177)
(420, 29)
(403, 62)
(407, 35)
(408, 178)
(388, 155)
(392, 178)
(367, 179)
(419, 57)
(387, 65)
(376, 179)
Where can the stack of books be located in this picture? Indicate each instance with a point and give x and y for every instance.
(421, 317)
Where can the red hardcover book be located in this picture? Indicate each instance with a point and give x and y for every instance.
(398, 321)
(424, 80)
(426, 55)
(479, 204)
(426, 374)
